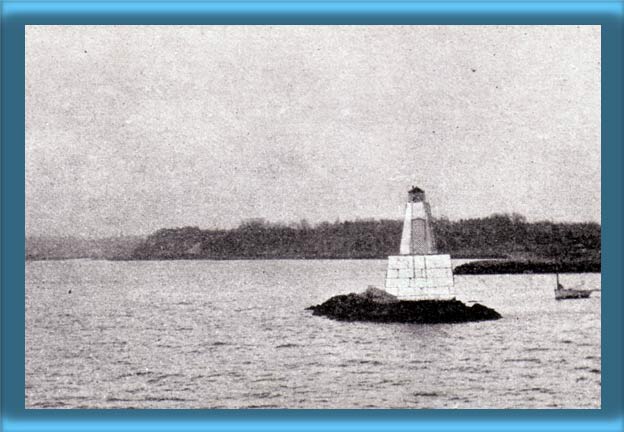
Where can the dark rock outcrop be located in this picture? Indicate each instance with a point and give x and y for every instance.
(513, 267)
(378, 306)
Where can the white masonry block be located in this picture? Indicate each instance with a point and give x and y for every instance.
(438, 261)
(420, 277)
(440, 282)
(406, 273)
(400, 262)
(420, 273)
(392, 273)
(392, 284)
(419, 261)
(418, 283)
(439, 273)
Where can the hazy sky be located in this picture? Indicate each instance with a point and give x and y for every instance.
(132, 129)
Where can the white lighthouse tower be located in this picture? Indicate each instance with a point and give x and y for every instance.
(419, 273)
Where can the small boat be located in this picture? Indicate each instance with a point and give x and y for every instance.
(562, 293)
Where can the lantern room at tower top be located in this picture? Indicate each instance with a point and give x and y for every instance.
(415, 194)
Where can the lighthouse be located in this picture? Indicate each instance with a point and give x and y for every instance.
(419, 272)
(417, 237)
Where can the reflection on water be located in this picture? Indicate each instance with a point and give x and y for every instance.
(234, 334)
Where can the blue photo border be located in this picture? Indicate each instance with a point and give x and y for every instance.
(17, 14)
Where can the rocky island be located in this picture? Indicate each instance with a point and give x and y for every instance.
(376, 305)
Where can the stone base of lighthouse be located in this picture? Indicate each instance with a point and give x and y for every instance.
(420, 277)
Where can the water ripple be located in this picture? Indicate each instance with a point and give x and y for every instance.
(158, 335)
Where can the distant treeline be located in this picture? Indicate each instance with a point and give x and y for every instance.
(56, 248)
(496, 236)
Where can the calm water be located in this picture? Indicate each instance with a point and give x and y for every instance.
(234, 334)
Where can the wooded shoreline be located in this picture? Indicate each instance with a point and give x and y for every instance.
(524, 246)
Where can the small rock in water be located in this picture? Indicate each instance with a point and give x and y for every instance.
(379, 296)
(379, 306)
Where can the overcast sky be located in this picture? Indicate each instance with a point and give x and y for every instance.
(132, 129)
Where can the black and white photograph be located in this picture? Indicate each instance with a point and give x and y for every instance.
(313, 217)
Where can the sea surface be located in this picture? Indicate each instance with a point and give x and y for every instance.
(235, 334)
